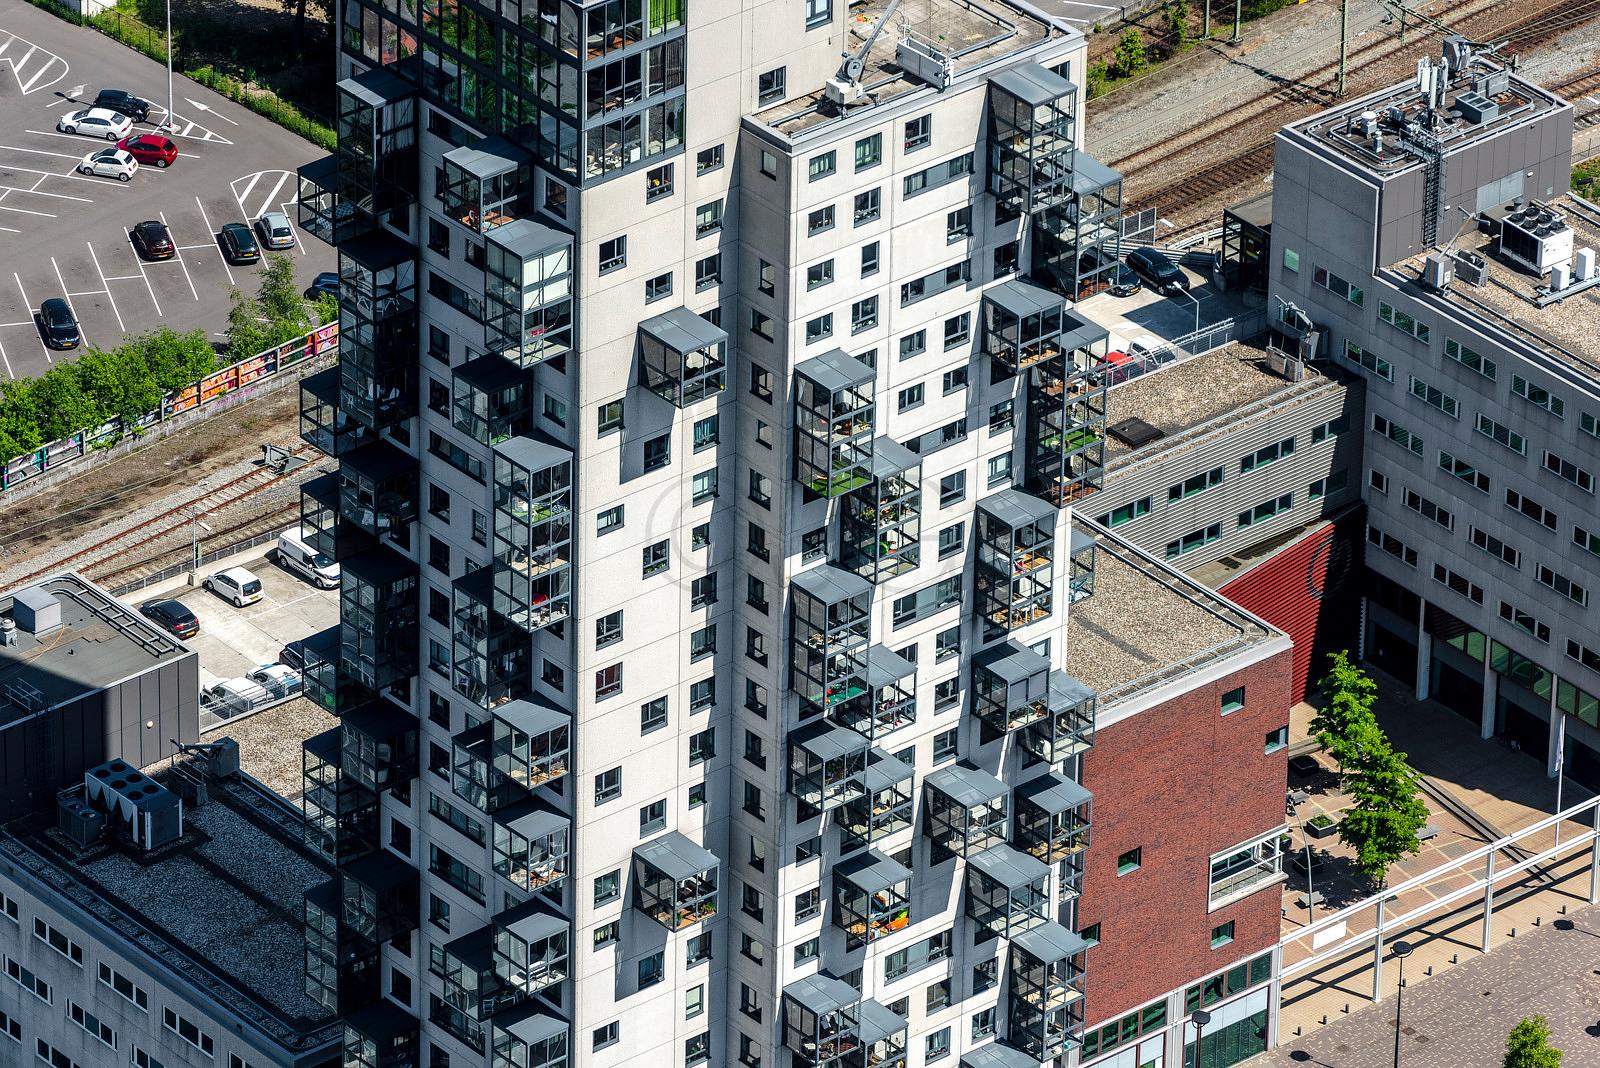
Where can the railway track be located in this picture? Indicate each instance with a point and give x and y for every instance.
(1578, 90)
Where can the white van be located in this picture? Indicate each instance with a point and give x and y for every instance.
(235, 584)
(233, 697)
(276, 679)
(296, 556)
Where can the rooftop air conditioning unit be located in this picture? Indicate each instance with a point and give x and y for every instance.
(138, 806)
(1537, 238)
(1582, 268)
(1469, 267)
(81, 824)
(1560, 277)
(1438, 272)
(8, 631)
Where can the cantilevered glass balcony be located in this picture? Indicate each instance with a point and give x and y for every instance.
(532, 740)
(999, 1055)
(490, 655)
(683, 358)
(530, 1036)
(1051, 823)
(822, 1022)
(378, 617)
(881, 524)
(342, 971)
(322, 213)
(1078, 242)
(322, 526)
(378, 344)
(1015, 578)
(376, 159)
(1021, 326)
(1006, 891)
(491, 400)
(341, 814)
(871, 897)
(1010, 687)
(379, 745)
(326, 679)
(382, 1035)
(883, 1034)
(1032, 128)
(890, 700)
(527, 293)
(885, 804)
(322, 423)
(1066, 416)
(531, 947)
(965, 811)
(1045, 998)
(1080, 576)
(487, 184)
(531, 843)
(675, 881)
(473, 776)
(378, 895)
(826, 765)
(378, 488)
(830, 631)
(834, 411)
(1069, 728)
(532, 532)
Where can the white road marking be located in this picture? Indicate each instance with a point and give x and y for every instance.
(25, 211)
(82, 334)
(38, 152)
(252, 206)
(107, 283)
(208, 108)
(138, 262)
(214, 245)
(121, 277)
(48, 64)
(9, 230)
(7, 359)
(73, 174)
(37, 333)
(178, 255)
(36, 191)
(187, 129)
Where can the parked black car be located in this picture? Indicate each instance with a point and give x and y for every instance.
(59, 325)
(1160, 271)
(173, 616)
(326, 282)
(239, 243)
(293, 655)
(120, 100)
(154, 240)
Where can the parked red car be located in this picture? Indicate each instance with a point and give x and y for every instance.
(149, 148)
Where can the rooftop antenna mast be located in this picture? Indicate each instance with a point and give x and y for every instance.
(845, 88)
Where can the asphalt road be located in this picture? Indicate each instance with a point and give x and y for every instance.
(66, 234)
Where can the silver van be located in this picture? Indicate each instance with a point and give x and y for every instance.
(296, 556)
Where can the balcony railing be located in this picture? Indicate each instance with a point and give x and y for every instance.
(675, 881)
(835, 410)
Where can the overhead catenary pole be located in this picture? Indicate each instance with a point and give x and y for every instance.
(1205, 20)
(1344, 41)
(1237, 5)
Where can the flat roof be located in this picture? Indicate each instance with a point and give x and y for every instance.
(1147, 624)
(100, 642)
(972, 34)
(1509, 300)
(270, 741)
(222, 908)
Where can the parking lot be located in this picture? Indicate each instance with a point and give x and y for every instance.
(65, 234)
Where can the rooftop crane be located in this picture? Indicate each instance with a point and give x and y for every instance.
(845, 88)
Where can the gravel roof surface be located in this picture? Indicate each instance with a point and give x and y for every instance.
(1186, 394)
(269, 742)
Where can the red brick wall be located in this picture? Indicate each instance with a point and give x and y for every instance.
(1181, 782)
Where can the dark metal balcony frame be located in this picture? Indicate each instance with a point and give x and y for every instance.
(487, 184)
(326, 679)
(378, 617)
(1015, 577)
(323, 212)
(1081, 565)
(830, 616)
(675, 881)
(835, 412)
(382, 1035)
(378, 488)
(1032, 136)
(376, 158)
(1022, 326)
(532, 741)
(532, 841)
(1045, 1014)
(490, 655)
(871, 897)
(379, 896)
(964, 811)
(885, 805)
(884, 1034)
(491, 399)
(890, 700)
(1007, 891)
(532, 532)
(342, 971)
(473, 777)
(1078, 242)
(530, 1036)
(323, 423)
(822, 1022)
(881, 524)
(378, 743)
(1051, 822)
(471, 978)
(1069, 728)
(527, 292)
(532, 947)
(341, 814)
(827, 766)
(1066, 416)
(323, 526)
(1010, 688)
(378, 337)
(683, 357)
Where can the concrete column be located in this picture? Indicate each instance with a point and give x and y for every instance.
(1424, 656)
(1490, 684)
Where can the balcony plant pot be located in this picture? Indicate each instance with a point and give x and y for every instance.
(1321, 826)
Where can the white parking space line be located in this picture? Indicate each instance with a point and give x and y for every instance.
(26, 303)
(252, 205)
(36, 191)
(72, 174)
(43, 63)
(82, 333)
(25, 211)
(177, 254)
(38, 152)
(138, 261)
(121, 327)
(9, 230)
(7, 359)
(212, 231)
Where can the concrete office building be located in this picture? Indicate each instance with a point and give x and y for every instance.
(1423, 238)
(708, 677)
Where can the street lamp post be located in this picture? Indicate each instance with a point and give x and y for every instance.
(1200, 1017)
(1401, 950)
(170, 101)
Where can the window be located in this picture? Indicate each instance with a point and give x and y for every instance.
(952, 489)
(946, 645)
(652, 817)
(819, 274)
(658, 288)
(1266, 510)
(753, 802)
(1233, 700)
(1568, 470)
(1392, 545)
(755, 645)
(1372, 362)
(983, 1025)
(818, 13)
(703, 486)
(952, 539)
(610, 417)
(822, 165)
(1193, 540)
(1429, 510)
(909, 398)
(89, 1022)
(1436, 397)
(702, 746)
(1322, 487)
(656, 558)
(937, 175)
(1276, 740)
(607, 682)
(1291, 260)
(1131, 861)
(1464, 471)
(608, 786)
(706, 432)
(1002, 417)
(1222, 935)
(957, 331)
(869, 259)
(1502, 435)
(1524, 621)
(819, 221)
(868, 206)
(1470, 359)
(697, 1050)
(708, 159)
(945, 744)
(698, 949)
(819, 328)
(1586, 539)
(757, 542)
(999, 470)
(28, 981)
(1265, 455)
(1563, 585)
(708, 219)
(607, 519)
(1495, 547)
(958, 224)
(703, 591)
(806, 951)
(1402, 322)
(937, 996)
(657, 453)
(187, 1031)
(769, 164)
(694, 1001)
(58, 941)
(751, 903)
(613, 254)
(1538, 396)
(1530, 508)
(1337, 286)
(760, 326)
(770, 86)
(658, 183)
(700, 536)
(653, 715)
(869, 151)
(124, 986)
(1397, 434)
(807, 904)
(813, 545)
(936, 1047)
(919, 132)
(913, 344)
(605, 1035)
(1005, 260)
(1127, 513)
(864, 314)
(652, 969)
(752, 949)
(702, 642)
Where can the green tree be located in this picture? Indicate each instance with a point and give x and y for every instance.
(1528, 1046)
(325, 309)
(1099, 75)
(1348, 694)
(62, 405)
(119, 382)
(19, 419)
(1388, 812)
(1130, 58)
(279, 297)
(174, 360)
(1175, 20)
(248, 329)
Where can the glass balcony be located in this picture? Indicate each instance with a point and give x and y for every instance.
(871, 897)
(881, 524)
(1081, 560)
(487, 184)
(675, 881)
(834, 398)
(378, 895)
(1007, 891)
(326, 680)
(322, 424)
(531, 742)
(473, 989)
(1015, 578)
(527, 293)
(473, 775)
(1010, 688)
(322, 212)
(532, 532)
(378, 488)
(1066, 416)
(1077, 243)
(379, 745)
(321, 524)
(1051, 824)
(965, 811)
(830, 631)
(1045, 1004)
(378, 343)
(531, 842)
(683, 358)
(342, 973)
(884, 1036)
(491, 400)
(490, 655)
(884, 806)
(341, 814)
(998, 1055)
(378, 617)
(826, 766)
(382, 1035)
(531, 947)
(1021, 326)
(376, 159)
(822, 1022)
(530, 1037)
(1032, 129)
(1069, 728)
(890, 700)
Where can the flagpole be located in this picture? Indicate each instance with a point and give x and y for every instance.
(1561, 768)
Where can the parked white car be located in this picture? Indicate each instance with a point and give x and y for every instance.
(110, 163)
(275, 231)
(235, 585)
(96, 122)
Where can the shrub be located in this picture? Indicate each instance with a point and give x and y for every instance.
(264, 102)
(1130, 57)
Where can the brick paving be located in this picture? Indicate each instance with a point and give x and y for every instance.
(1460, 1018)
